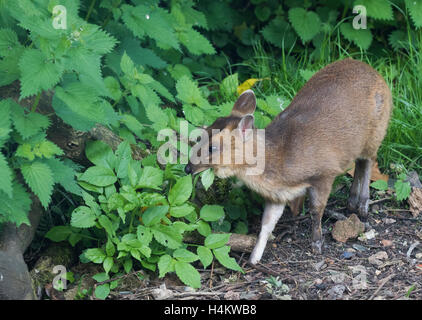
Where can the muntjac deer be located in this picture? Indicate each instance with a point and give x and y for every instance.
(340, 116)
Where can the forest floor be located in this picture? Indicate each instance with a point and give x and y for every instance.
(386, 267)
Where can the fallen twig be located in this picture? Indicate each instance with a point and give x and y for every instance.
(383, 282)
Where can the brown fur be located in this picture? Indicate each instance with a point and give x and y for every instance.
(339, 116)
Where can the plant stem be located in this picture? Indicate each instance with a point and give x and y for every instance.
(91, 7)
(195, 180)
(35, 105)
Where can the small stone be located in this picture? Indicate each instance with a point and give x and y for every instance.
(418, 255)
(377, 272)
(360, 247)
(347, 255)
(388, 220)
(336, 292)
(318, 281)
(368, 235)
(347, 229)
(377, 257)
(318, 266)
(386, 243)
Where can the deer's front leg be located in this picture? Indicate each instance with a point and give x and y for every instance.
(272, 214)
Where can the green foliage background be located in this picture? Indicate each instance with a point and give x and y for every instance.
(141, 66)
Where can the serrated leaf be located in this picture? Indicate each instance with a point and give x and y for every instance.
(379, 185)
(222, 255)
(188, 92)
(5, 123)
(306, 23)
(106, 223)
(39, 177)
(188, 274)
(15, 209)
(415, 10)
(38, 73)
(5, 176)
(211, 212)
(279, 33)
(181, 191)
(403, 189)
(99, 176)
(108, 264)
(28, 124)
(151, 21)
(205, 256)
(8, 42)
(377, 9)
(184, 255)
(195, 42)
(362, 37)
(194, 115)
(83, 217)
(204, 228)
(64, 175)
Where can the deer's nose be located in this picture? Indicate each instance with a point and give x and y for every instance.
(188, 169)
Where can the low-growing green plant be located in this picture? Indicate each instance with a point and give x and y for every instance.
(138, 214)
(402, 187)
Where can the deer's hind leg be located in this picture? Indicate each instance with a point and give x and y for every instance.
(359, 193)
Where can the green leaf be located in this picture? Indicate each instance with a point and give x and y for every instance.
(181, 191)
(64, 175)
(222, 255)
(5, 176)
(188, 274)
(189, 93)
(403, 189)
(195, 42)
(153, 215)
(415, 10)
(59, 233)
(211, 212)
(150, 21)
(167, 236)
(165, 265)
(207, 178)
(205, 256)
(124, 155)
(380, 185)
(151, 178)
(144, 235)
(181, 211)
(15, 209)
(39, 177)
(108, 264)
(99, 176)
(102, 291)
(110, 248)
(279, 33)
(204, 228)
(4, 120)
(194, 115)
(100, 154)
(28, 124)
(184, 255)
(127, 265)
(105, 222)
(306, 23)
(216, 240)
(38, 73)
(377, 9)
(362, 37)
(95, 255)
(8, 42)
(83, 217)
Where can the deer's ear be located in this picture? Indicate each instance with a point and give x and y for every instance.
(245, 104)
(245, 125)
